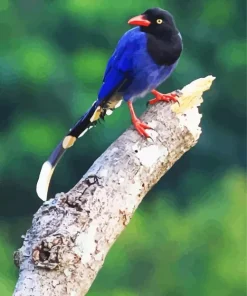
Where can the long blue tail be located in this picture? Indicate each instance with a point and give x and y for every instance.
(87, 121)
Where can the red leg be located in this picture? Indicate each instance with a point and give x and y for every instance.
(138, 124)
(164, 97)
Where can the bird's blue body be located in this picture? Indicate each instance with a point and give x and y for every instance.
(132, 61)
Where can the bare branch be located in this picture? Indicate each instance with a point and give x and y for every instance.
(71, 234)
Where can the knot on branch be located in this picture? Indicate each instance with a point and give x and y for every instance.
(55, 251)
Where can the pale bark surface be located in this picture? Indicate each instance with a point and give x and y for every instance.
(71, 234)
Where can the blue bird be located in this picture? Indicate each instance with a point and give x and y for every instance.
(145, 56)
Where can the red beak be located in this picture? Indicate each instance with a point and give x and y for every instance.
(139, 20)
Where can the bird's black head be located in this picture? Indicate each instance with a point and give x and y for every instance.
(155, 21)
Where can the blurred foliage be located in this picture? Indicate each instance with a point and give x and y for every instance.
(189, 235)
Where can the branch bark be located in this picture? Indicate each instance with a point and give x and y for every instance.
(71, 234)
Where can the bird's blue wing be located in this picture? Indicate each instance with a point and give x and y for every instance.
(120, 66)
(117, 74)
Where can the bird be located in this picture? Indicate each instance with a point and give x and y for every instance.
(145, 56)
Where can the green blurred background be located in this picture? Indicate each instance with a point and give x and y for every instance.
(189, 235)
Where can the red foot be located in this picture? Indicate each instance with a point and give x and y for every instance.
(140, 127)
(138, 124)
(164, 97)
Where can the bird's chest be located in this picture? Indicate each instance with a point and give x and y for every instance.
(147, 75)
(151, 75)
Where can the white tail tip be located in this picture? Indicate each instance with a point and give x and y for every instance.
(44, 180)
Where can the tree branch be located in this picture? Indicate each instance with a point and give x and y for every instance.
(71, 234)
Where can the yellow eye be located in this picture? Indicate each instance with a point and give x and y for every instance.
(159, 21)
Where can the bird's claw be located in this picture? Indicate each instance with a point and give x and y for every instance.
(159, 97)
(141, 127)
